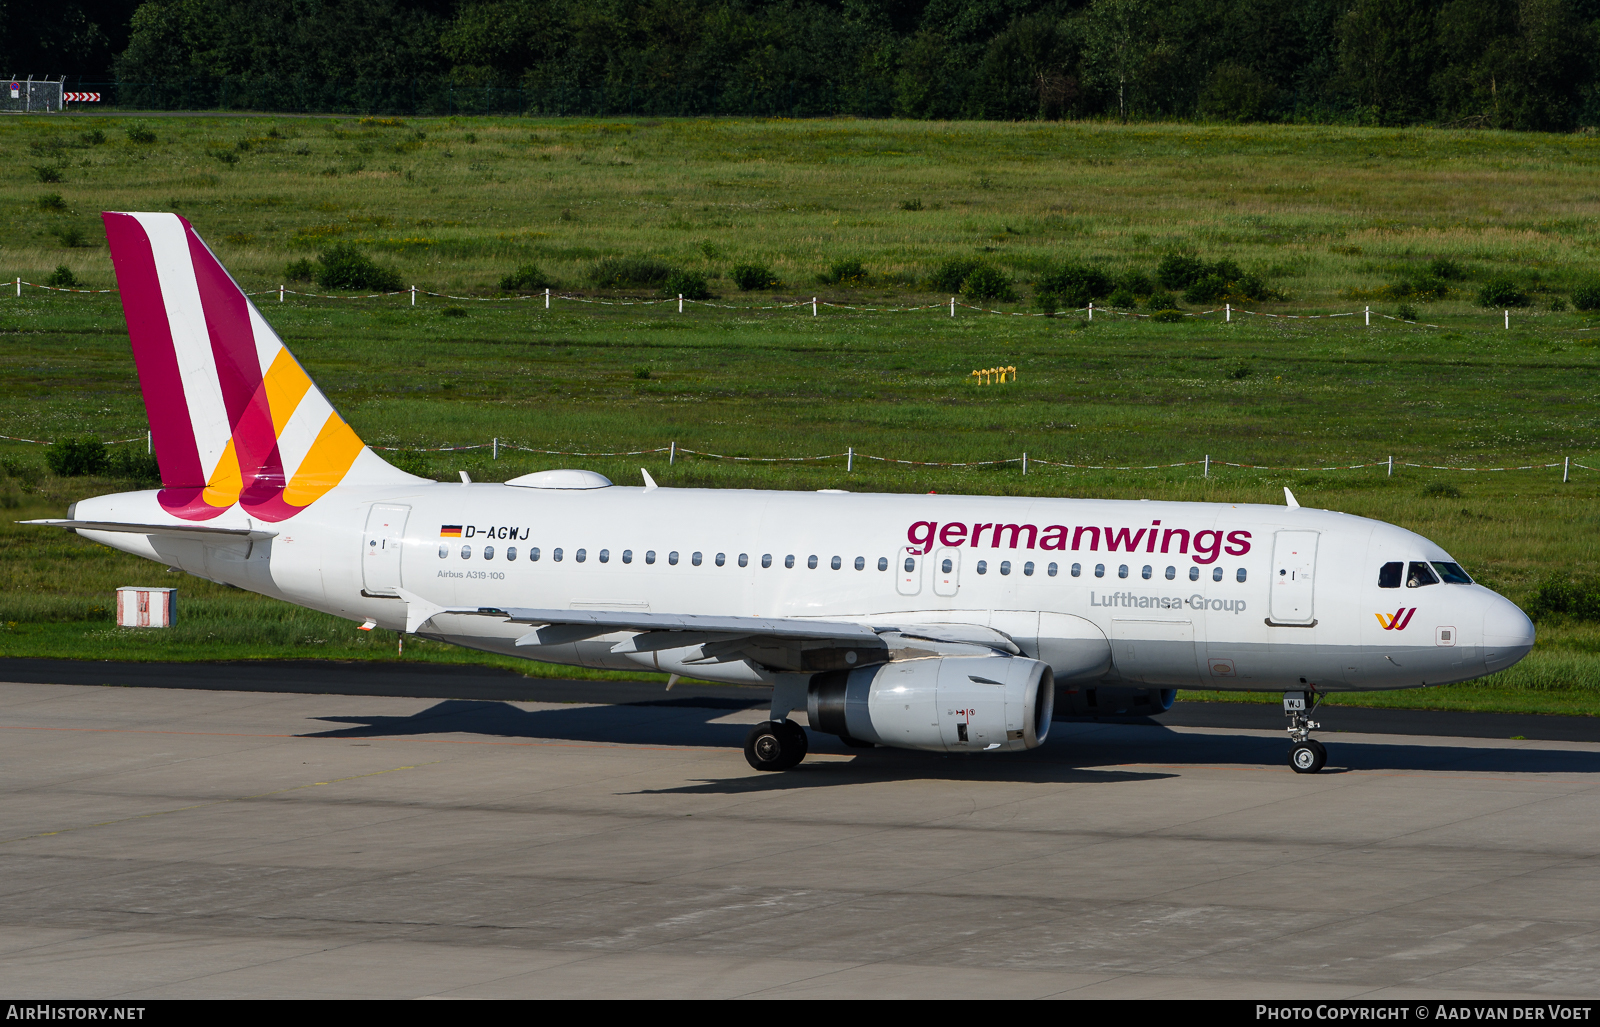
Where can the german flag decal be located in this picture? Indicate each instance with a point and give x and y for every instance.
(449, 531)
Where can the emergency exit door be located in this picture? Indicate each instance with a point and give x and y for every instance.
(1294, 565)
(381, 547)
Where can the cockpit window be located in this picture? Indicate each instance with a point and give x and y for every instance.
(1419, 575)
(1389, 575)
(1451, 573)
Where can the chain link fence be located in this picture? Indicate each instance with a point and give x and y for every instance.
(31, 95)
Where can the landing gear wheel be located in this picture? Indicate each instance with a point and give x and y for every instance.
(1307, 757)
(775, 746)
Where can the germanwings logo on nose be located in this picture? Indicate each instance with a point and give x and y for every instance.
(1397, 620)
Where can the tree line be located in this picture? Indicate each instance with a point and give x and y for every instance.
(1518, 64)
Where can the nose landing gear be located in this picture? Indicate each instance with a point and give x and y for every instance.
(1306, 754)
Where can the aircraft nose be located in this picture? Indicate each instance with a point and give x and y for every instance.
(1507, 634)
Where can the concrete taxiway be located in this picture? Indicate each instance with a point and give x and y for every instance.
(202, 842)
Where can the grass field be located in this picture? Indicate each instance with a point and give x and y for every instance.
(1324, 213)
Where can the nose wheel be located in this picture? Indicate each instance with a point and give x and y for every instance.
(1306, 754)
(775, 745)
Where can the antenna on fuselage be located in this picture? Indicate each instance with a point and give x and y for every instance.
(1288, 498)
(649, 482)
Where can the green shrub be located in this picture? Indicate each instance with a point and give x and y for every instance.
(344, 266)
(52, 202)
(47, 172)
(910, 204)
(1122, 298)
(1088, 281)
(1241, 372)
(1560, 595)
(1503, 291)
(1180, 270)
(94, 137)
(70, 236)
(1441, 490)
(1168, 316)
(749, 277)
(949, 276)
(131, 461)
(25, 471)
(299, 271)
(1406, 312)
(73, 458)
(139, 133)
(987, 282)
(1136, 282)
(63, 278)
(1449, 270)
(623, 272)
(527, 278)
(453, 312)
(847, 272)
(691, 285)
(1587, 295)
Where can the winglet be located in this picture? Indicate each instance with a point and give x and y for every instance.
(419, 611)
(649, 482)
(1288, 497)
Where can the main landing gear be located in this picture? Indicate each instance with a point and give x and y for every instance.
(1306, 754)
(775, 745)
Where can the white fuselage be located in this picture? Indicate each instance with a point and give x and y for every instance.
(1191, 595)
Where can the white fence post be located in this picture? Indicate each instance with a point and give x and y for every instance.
(850, 459)
(547, 297)
(813, 306)
(672, 455)
(952, 306)
(280, 292)
(1227, 311)
(1566, 468)
(496, 450)
(413, 295)
(1207, 472)
(1508, 319)
(1369, 317)
(680, 302)
(19, 287)
(1091, 317)
(149, 444)
(1391, 467)
(1024, 463)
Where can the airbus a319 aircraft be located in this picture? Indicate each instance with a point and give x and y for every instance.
(935, 622)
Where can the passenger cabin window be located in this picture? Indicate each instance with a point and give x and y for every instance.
(1216, 574)
(649, 556)
(983, 566)
(1145, 574)
(1122, 571)
(911, 564)
(883, 563)
(1027, 569)
(605, 556)
(488, 552)
(861, 563)
(811, 562)
(1172, 572)
(744, 559)
(1077, 569)
(788, 561)
(1099, 570)
(511, 553)
(1389, 574)
(1452, 573)
(555, 554)
(695, 559)
(1240, 575)
(533, 554)
(944, 568)
(722, 558)
(1194, 574)
(766, 559)
(672, 558)
(1051, 570)
(1005, 566)
(466, 552)
(627, 556)
(1419, 575)
(581, 555)
(835, 563)
(444, 550)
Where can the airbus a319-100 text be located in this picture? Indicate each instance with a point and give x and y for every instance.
(934, 622)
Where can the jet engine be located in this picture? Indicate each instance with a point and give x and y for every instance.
(942, 704)
(1092, 701)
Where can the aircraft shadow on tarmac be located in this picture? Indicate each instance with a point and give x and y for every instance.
(1103, 753)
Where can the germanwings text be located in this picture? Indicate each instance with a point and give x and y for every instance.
(1201, 546)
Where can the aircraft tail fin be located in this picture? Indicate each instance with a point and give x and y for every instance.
(233, 417)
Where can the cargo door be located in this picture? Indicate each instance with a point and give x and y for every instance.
(381, 547)
(908, 572)
(946, 571)
(1294, 563)
(1157, 652)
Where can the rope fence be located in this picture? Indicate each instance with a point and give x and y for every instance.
(851, 455)
(1227, 310)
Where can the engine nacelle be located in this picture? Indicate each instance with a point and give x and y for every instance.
(1093, 701)
(945, 704)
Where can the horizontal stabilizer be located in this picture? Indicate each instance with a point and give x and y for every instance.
(173, 530)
